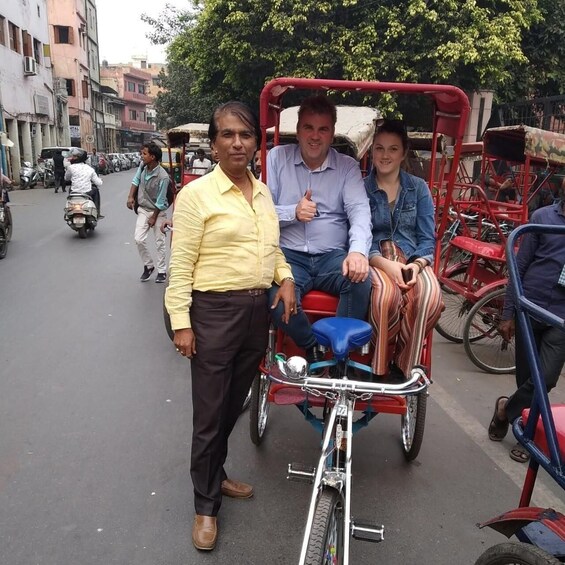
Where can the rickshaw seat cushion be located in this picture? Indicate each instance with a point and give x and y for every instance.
(318, 301)
(558, 411)
(480, 248)
(342, 334)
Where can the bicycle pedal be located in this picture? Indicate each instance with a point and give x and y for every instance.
(367, 532)
(301, 473)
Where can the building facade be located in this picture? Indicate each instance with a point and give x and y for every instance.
(131, 84)
(33, 109)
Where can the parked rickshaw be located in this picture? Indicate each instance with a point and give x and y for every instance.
(541, 430)
(330, 402)
(473, 272)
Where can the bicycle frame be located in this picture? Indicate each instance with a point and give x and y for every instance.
(343, 393)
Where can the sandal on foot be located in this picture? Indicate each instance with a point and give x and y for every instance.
(498, 428)
(519, 453)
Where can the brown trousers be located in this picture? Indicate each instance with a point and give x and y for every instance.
(231, 339)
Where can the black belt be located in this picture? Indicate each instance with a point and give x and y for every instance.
(247, 292)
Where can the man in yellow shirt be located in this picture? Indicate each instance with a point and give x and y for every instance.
(225, 255)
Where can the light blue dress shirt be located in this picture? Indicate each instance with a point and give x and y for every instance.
(344, 220)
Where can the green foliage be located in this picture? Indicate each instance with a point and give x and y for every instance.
(231, 48)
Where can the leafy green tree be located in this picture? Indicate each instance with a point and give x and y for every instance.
(235, 46)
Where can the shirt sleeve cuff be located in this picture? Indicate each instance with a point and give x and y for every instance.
(180, 321)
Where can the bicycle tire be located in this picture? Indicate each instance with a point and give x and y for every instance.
(514, 553)
(412, 425)
(3, 243)
(483, 343)
(259, 407)
(325, 544)
(452, 320)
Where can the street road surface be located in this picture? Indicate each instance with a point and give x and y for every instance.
(95, 426)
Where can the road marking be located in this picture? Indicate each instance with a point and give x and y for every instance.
(516, 472)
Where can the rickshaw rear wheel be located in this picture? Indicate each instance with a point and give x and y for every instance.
(483, 343)
(412, 425)
(325, 545)
(452, 320)
(259, 407)
(514, 553)
(3, 243)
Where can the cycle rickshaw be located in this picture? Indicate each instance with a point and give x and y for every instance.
(541, 430)
(473, 272)
(283, 378)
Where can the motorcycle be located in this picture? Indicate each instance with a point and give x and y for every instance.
(47, 175)
(29, 176)
(5, 222)
(81, 213)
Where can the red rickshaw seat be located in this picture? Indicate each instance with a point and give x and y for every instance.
(480, 248)
(317, 301)
(558, 411)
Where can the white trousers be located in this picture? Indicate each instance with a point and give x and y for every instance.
(142, 229)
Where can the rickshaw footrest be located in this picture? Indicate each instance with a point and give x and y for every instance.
(367, 532)
(301, 473)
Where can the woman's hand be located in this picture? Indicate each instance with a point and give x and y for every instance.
(394, 270)
(185, 342)
(287, 294)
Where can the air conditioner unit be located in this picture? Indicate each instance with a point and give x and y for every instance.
(30, 66)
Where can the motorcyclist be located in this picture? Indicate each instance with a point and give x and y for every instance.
(82, 177)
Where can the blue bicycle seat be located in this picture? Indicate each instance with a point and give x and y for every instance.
(342, 334)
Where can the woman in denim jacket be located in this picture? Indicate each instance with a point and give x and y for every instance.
(406, 298)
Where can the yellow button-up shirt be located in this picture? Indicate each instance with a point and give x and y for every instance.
(221, 243)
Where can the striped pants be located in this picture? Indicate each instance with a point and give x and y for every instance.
(401, 319)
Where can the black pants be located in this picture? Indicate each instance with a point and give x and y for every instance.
(231, 339)
(94, 193)
(550, 343)
(59, 178)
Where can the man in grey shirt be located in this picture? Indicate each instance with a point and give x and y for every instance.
(325, 220)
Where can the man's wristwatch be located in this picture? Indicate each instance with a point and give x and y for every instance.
(288, 279)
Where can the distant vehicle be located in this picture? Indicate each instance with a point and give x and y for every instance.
(115, 162)
(46, 155)
(103, 163)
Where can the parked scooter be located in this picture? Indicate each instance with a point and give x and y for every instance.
(29, 176)
(81, 213)
(5, 222)
(47, 175)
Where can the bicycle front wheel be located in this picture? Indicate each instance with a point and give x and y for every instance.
(483, 343)
(510, 553)
(325, 546)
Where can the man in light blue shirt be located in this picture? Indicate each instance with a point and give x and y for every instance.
(324, 217)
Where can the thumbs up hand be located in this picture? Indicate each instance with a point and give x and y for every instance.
(306, 209)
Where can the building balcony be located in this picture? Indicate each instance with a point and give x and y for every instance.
(137, 125)
(137, 97)
(110, 120)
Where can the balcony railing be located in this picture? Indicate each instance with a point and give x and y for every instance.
(134, 124)
(137, 97)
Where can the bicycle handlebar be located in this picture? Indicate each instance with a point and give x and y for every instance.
(417, 382)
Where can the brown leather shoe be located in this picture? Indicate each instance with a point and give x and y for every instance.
(204, 532)
(236, 489)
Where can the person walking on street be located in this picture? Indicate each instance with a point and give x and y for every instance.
(224, 257)
(148, 198)
(541, 268)
(95, 161)
(59, 170)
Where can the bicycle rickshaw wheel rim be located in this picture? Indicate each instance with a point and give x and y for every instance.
(513, 553)
(325, 545)
(412, 425)
(259, 407)
(487, 353)
(452, 320)
(3, 243)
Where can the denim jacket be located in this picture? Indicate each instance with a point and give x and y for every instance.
(412, 223)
